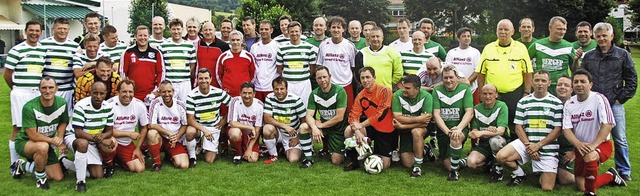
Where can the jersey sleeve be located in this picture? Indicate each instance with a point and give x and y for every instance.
(398, 71)
(566, 117)
(191, 106)
(436, 99)
(259, 116)
(557, 114)
(442, 54)
(226, 99)
(76, 63)
(143, 118)
(268, 106)
(78, 117)
(605, 114)
(527, 67)
(532, 51)
(320, 55)
(427, 105)
(109, 116)
(233, 111)
(520, 117)
(300, 110)
(279, 57)
(28, 117)
(482, 67)
(356, 109)
(474, 121)
(468, 98)
(503, 116)
(192, 54)
(396, 106)
(312, 102)
(313, 55)
(13, 58)
(159, 69)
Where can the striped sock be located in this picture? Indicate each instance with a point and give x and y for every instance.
(417, 162)
(454, 156)
(307, 145)
(41, 174)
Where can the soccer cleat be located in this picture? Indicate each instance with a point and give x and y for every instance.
(516, 180)
(156, 167)
(16, 169)
(433, 142)
(272, 159)
(306, 164)
(323, 153)
(453, 176)
(417, 172)
(428, 153)
(496, 177)
(108, 172)
(352, 166)
(146, 153)
(617, 179)
(237, 160)
(192, 162)
(42, 183)
(81, 186)
(395, 156)
(488, 166)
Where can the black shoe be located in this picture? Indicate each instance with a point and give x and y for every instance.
(416, 172)
(16, 169)
(516, 180)
(81, 187)
(433, 144)
(42, 183)
(617, 179)
(192, 162)
(352, 166)
(237, 160)
(306, 164)
(146, 154)
(496, 177)
(108, 172)
(60, 159)
(488, 166)
(428, 153)
(156, 167)
(323, 153)
(626, 177)
(453, 176)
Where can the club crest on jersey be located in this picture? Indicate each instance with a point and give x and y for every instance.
(151, 55)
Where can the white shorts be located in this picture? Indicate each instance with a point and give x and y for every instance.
(68, 96)
(93, 155)
(68, 141)
(18, 98)
(302, 89)
(209, 145)
(181, 90)
(284, 139)
(547, 164)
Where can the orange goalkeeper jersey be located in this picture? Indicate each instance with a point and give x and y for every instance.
(376, 106)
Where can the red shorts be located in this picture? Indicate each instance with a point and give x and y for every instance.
(605, 149)
(261, 95)
(176, 150)
(125, 153)
(245, 142)
(349, 90)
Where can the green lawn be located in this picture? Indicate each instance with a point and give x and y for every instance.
(225, 178)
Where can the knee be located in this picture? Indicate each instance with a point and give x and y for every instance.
(235, 134)
(269, 131)
(336, 160)
(294, 159)
(56, 178)
(81, 145)
(152, 136)
(42, 147)
(417, 133)
(304, 128)
(501, 157)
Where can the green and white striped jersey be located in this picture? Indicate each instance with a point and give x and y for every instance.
(27, 63)
(90, 119)
(296, 60)
(84, 59)
(206, 108)
(412, 62)
(114, 53)
(60, 59)
(289, 111)
(281, 39)
(539, 116)
(177, 57)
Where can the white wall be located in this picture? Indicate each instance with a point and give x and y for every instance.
(117, 11)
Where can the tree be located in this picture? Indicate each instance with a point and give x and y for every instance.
(140, 13)
(362, 10)
(260, 10)
(450, 15)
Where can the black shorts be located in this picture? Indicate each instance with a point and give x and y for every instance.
(383, 143)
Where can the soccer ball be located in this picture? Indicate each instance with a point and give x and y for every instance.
(496, 143)
(373, 164)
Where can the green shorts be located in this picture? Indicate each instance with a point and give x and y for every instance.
(406, 140)
(51, 159)
(335, 139)
(569, 167)
(484, 148)
(444, 143)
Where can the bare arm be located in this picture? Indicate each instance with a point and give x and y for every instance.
(235, 124)
(527, 82)
(521, 134)
(466, 119)
(160, 129)
(8, 77)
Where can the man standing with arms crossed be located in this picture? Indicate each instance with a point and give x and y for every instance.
(22, 74)
(615, 77)
(208, 51)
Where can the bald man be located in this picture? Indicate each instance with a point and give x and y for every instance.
(487, 128)
(415, 58)
(506, 64)
(157, 25)
(355, 28)
(319, 31)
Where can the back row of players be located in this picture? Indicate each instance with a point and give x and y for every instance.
(295, 60)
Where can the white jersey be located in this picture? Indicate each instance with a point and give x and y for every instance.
(170, 118)
(585, 118)
(339, 58)
(127, 117)
(402, 46)
(252, 115)
(465, 60)
(265, 59)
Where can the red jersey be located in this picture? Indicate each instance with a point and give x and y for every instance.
(234, 69)
(376, 106)
(207, 55)
(145, 68)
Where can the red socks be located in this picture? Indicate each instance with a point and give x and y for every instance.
(155, 153)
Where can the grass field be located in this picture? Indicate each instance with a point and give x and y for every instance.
(283, 178)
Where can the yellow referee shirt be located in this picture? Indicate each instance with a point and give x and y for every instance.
(503, 66)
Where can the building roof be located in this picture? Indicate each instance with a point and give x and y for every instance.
(6, 24)
(57, 11)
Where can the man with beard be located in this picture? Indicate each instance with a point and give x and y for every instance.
(102, 73)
